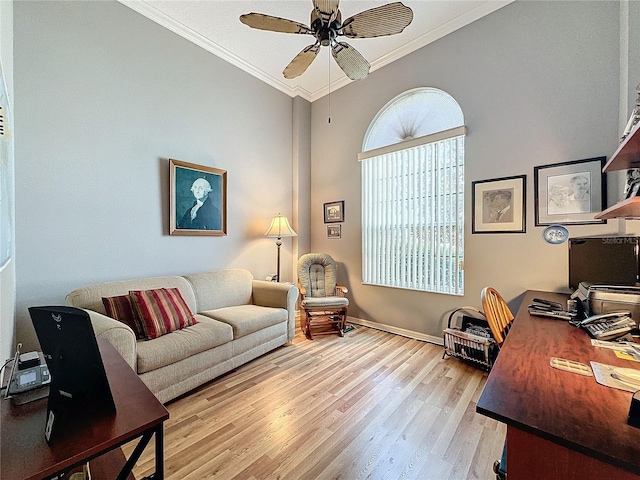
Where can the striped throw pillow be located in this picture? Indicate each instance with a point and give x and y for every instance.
(121, 309)
(161, 311)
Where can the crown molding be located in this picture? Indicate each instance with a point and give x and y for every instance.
(187, 33)
(463, 20)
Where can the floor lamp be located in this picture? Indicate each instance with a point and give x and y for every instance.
(279, 228)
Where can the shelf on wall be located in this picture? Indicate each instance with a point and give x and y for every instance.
(628, 153)
(629, 208)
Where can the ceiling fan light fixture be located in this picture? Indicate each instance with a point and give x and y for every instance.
(326, 26)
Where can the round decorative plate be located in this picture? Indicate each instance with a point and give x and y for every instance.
(555, 234)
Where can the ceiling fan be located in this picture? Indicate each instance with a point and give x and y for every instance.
(327, 25)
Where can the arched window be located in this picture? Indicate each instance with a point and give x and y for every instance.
(412, 168)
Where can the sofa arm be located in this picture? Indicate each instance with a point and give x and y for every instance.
(118, 334)
(278, 295)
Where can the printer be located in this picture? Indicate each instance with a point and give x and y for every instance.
(597, 299)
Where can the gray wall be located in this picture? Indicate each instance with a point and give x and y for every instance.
(633, 58)
(99, 110)
(301, 177)
(104, 97)
(8, 274)
(538, 83)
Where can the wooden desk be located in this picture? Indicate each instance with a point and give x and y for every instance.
(559, 424)
(25, 455)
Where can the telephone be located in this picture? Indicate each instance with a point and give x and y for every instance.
(608, 326)
(27, 373)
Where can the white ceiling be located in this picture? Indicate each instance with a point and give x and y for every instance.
(215, 26)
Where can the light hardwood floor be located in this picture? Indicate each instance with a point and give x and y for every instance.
(370, 405)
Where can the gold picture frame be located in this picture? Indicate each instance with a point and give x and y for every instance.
(198, 204)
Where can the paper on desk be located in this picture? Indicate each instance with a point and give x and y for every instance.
(603, 375)
(624, 350)
(634, 357)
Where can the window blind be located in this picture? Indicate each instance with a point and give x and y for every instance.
(413, 217)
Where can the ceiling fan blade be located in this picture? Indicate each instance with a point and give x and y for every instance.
(301, 62)
(350, 60)
(327, 9)
(388, 19)
(273, 24)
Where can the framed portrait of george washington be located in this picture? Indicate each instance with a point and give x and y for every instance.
(198, 199)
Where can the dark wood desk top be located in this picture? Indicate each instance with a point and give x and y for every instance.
(524, 391)
(24, 453)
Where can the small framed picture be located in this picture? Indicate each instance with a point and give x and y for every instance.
(198, 199)
(570, 192)
(334, 212)
(633, 190)
(499, 205)
(334, 231)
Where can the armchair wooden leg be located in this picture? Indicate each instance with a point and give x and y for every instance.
(307, 326)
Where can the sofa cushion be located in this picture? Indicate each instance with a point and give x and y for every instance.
(161, 311)
(246, 319)
(120, 308)
(221, 288)
(90, 297)
(180, 344)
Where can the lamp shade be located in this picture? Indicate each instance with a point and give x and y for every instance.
(280, 228)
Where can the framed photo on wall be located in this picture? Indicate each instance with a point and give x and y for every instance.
(334, 231)
(498, 205)
(570, 192)
(198, 199)
(334, 212)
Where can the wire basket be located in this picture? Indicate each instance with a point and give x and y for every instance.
(468, 340)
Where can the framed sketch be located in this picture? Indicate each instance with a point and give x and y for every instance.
(499, 205)
(334, 212)
(198, 199)
(570, 192)
(334, 231)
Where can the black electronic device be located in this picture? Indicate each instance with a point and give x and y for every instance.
(28, 373)
(29, 378)
(555, 314)
(547, 308)
(547, 304)
(79, 383)
(610, 260)
(608, 326)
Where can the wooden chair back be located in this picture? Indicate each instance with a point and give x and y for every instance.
(497, 313)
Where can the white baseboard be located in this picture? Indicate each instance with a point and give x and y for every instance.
(395, 330)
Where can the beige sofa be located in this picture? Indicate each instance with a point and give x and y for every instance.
(239, 319)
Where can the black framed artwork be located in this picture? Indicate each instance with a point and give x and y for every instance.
(498, 205)
(570, 192)
(334, 212)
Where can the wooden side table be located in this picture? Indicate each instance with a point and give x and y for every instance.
(25, 454)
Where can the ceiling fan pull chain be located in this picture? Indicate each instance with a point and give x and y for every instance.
(329, 64)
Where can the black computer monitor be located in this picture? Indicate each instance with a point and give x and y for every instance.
(79, 385)
(606, 260)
